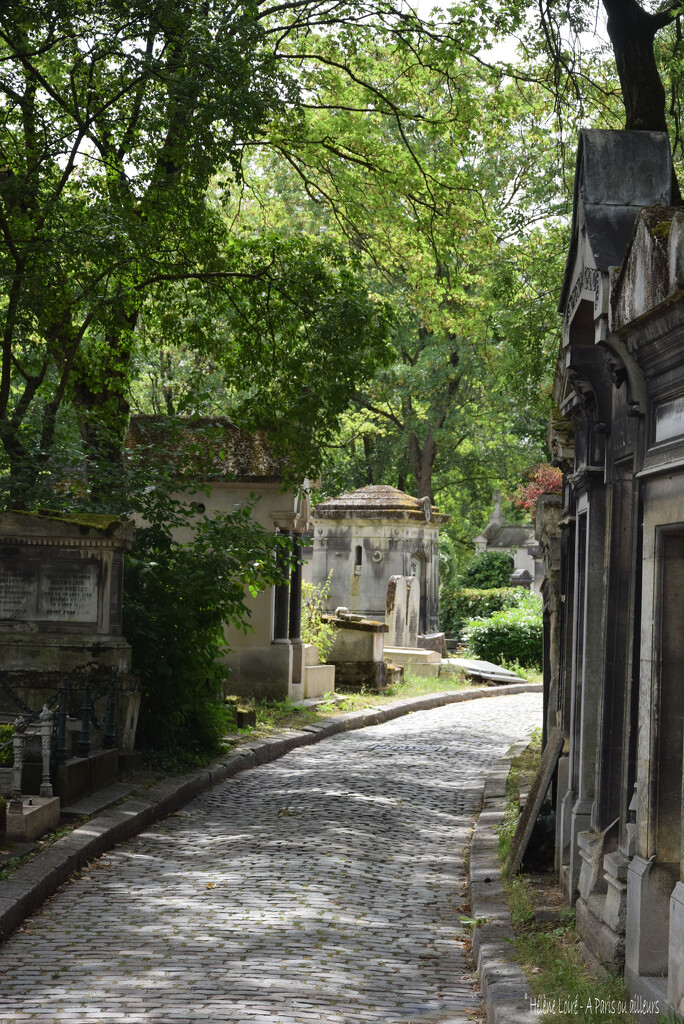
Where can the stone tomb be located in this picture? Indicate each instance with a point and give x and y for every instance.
(367, 536)
(614, 593)
(222, 467)
(357, 652)
(402, 611)
(61, 578)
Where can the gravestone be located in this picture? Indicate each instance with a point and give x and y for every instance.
(61, 580)
(402, 612)
(395, 615)
(412, 611)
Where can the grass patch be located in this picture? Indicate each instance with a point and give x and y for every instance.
(283, 714)
(530, 675)
(563, 985)
(9, 866)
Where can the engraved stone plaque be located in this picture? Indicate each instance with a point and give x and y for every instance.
(18, 592)
(68, 592)
(48, 588)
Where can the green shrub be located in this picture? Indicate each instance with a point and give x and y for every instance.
(459, 606)
(176, 599)
(314, 629)
(511, 635)
(488, 569)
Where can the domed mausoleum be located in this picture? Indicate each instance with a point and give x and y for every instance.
(365, 537)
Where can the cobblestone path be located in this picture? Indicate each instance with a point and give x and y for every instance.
(323, 888)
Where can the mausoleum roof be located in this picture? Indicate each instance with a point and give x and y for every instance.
(379, 501)
(208, 447)
(512, 535)
(618, 173)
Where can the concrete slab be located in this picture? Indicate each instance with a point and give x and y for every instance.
(98, 801)
(483, 670)
(413, 655)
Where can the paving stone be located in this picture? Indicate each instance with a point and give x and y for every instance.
(322, 886)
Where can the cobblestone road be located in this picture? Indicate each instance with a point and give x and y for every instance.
(323, 888)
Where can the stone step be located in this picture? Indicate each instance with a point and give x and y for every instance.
(98, 801)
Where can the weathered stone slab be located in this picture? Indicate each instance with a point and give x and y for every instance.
(542, 781)
(395, 616)
(412, 611)
(61, 579)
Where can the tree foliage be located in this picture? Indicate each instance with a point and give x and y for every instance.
(177, 598)
(435, 175)
(488, 569)
(113, 121)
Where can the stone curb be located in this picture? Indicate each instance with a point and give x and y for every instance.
(502, 982)
(32, 884)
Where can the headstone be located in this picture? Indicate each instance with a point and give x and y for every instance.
(357, 653)
(395, 615)
(412, 611)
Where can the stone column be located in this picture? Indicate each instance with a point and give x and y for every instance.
(295, 632)
(18, 765)
(45, 741)
(547, 531)
(281, 616)
(564, 791)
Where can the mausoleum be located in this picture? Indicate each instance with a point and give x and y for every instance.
(62, 651)
(232, 467)
(363, 538)
(614, 553)
(518, 541)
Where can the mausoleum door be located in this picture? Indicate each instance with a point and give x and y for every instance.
(655, 871)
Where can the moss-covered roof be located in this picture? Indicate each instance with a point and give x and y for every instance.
(15, 522)
(207, 448)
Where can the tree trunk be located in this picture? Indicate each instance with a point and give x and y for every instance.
(422, 460)
(632, 32)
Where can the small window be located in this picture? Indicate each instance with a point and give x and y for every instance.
(358, 560)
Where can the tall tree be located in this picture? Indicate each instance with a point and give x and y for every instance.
(440, 223)
(638, 35)
(113, 120)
